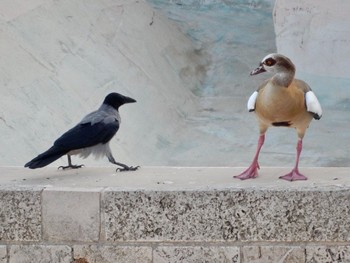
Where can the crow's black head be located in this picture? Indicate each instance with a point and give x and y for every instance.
(116, 100)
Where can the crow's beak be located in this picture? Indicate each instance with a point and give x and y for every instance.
(128, 100)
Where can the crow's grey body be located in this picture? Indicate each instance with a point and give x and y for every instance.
(104, 122)
(90, 136)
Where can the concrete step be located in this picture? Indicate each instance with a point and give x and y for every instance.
(169, 214)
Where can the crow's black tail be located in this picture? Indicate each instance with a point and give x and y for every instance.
(45, 158)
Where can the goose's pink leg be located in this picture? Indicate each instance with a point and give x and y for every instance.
(252, 170)
(295, 175)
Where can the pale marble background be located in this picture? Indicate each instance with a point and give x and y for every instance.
(189, 74)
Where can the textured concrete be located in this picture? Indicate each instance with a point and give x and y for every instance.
(227, 215)
(112, 254)
(263, 254)
(3, 254)
(316, 254)
(71, 214)
(40, 254)
(20, 214)
(169, 254)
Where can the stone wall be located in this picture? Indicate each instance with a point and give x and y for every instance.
(174, 215)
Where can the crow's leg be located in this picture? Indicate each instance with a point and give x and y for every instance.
(124, 166)
(70, 165)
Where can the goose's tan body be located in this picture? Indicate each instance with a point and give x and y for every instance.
(283, 106)
(281, 101)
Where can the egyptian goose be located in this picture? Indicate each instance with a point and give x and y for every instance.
(281, 101)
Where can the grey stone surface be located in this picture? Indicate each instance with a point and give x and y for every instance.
(112, 254)
(236, 215)
(20, 214)
(3, 254)
(215, 254)
(176, 178)
(327, 254)
(40, 254)
(71, 214)
(278, 254)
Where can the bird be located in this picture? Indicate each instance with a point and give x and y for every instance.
(90, 136)
(281, 101)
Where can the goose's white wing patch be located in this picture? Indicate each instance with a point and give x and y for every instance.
(312, 103)
(251, 101)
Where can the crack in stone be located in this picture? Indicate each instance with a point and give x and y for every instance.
(285, 256)
(9, 126)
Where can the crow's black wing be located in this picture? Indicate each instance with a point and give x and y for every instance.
(86, 135)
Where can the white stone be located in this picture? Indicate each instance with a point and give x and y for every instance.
(3, 254)
(315, 34)
(183, 178)
(59, 59)
(78, 51)
(40, 254)
(263, 254)
(71, 214)
(328, 253)
(187, 254)
(112, 254)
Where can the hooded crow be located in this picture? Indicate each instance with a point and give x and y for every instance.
(90, 136)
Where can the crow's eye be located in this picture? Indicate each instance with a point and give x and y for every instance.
(270, 62)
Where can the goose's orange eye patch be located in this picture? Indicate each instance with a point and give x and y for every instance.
(270, 62)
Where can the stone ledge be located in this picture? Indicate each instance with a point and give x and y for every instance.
(171, 178)
(162, 214)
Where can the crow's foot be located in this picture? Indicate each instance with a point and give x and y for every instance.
(127, 168)
(72, 166)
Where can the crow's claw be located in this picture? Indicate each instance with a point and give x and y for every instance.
(70, 166)
(127, 168)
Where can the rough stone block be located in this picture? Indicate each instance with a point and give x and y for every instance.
(234, 215)
(327, 254)
(169, 254)
(3, 254)
(111, 254)
(263, 254)
(71, 215)
(40, 254)
(20, 214)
